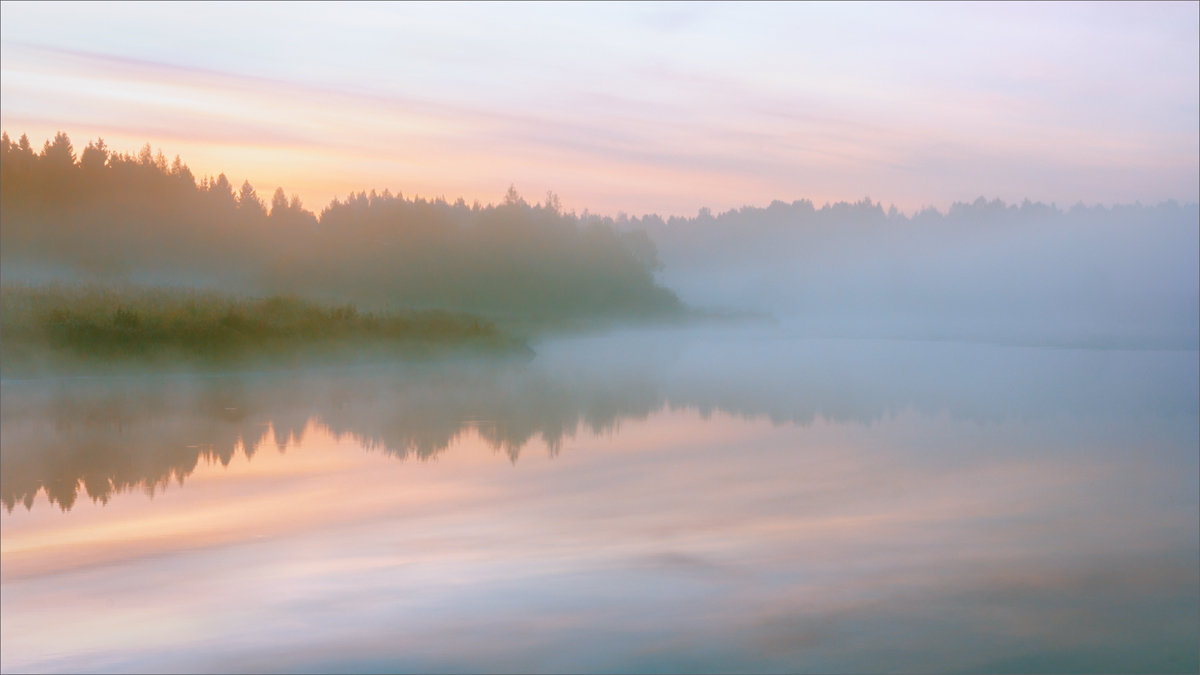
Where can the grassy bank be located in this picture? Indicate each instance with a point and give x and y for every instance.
(85, 328)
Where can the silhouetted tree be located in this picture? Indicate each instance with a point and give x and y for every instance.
(512, 197)
(222, 190)
(94, 157)
(122, 213)
(279, 202)
(58, 154)
(248, 200)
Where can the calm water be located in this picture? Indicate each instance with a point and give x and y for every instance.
(731, 499)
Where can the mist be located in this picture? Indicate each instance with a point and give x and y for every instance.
(102, 436)
(719, 403)
(1121, 276)
(681, 337)
(1004, 479)
(113, 218)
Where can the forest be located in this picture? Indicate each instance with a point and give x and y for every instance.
(111, 217)
(1029, 273)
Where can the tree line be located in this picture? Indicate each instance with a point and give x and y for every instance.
(1122, 274)
(105, 215)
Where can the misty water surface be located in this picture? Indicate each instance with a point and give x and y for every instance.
(731, 498)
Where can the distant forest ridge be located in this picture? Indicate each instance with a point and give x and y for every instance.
(1125, 276)
(60, 150)
(137, 218)
(1124, 273)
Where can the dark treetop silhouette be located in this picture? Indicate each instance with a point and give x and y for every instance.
(116, 217)
(1121, 276)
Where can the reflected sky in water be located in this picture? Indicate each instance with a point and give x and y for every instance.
(721, 500)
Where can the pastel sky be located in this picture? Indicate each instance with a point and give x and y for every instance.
(630, 107)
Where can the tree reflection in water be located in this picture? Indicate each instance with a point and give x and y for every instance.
(107, 435)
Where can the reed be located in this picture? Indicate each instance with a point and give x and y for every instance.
(70, 326)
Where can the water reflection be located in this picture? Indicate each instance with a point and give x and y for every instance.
(100, 436)
(724, 501)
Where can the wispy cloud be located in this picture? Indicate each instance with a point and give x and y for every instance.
(676, 107)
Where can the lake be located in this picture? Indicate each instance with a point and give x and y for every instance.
(726, 498)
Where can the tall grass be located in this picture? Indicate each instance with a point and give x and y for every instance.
(71, 326)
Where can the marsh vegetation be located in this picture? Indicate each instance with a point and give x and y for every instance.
(89, 327)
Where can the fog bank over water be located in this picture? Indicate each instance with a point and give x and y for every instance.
(1125, 276)
(518, 337)
(731, 498)
(98, 436)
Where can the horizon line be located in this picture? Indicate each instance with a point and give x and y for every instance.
(621, 214)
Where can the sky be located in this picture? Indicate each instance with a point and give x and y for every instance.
(636, 108)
